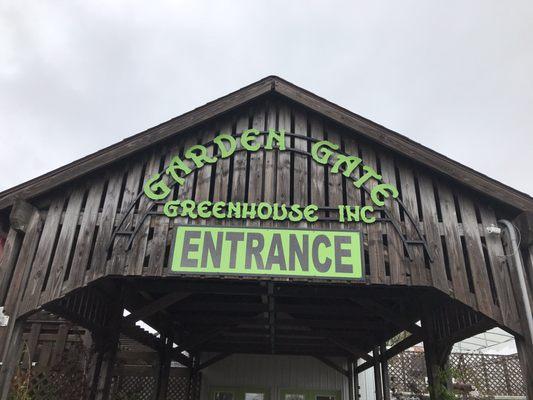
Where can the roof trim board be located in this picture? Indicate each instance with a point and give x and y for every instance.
(375, 132)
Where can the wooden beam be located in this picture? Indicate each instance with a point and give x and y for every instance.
(193, 345)
(205, 287)
(333, 365)
(388, 315)
(377, 375)
(212, 361)
(354, 350)
(140, 335)
(20, 216)
(154, 307)
(406, 343)
(107, 346)
(8, 260)
(351, 380)
(385, 372)
(163, 373)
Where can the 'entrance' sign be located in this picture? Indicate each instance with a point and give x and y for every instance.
(323, 254)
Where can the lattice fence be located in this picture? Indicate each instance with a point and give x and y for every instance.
(142, 387)
(491, 375)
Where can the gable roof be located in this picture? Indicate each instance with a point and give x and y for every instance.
(373, 131)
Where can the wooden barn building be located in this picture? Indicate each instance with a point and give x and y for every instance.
(269, 245)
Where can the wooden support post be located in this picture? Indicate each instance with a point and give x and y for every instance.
(106, 346)
(163, 373)
(11, 355)
(524, 344)
(356, 386)
(436, 355)
(525, 354)
(377, 375)
(385, 371)
(351, 391)
(8, 259)
(26, 220)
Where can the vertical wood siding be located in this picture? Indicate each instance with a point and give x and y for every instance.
(86, 225)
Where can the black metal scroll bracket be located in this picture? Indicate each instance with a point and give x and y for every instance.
(407, 243)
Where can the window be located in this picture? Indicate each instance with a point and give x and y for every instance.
(254, 396)
(294, 396)
(223, 395)
(304, 394)
(239, 393)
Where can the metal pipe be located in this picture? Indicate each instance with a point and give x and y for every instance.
(521, 274)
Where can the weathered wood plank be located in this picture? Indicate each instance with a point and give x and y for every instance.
(137, 253)
(238, 186)
(65, 243)
(502, 279)
(300, 160)
(452, 238)
(106, 224)
(283, 189)
(8, 261)
(43, 256)
(117, 264)
(374, 231)
(222, 170)
(160, 226)
(429, 211)
(480, 278)
(270, 164)
(84, 244)
(397, 261)
(416, 266)
(23, 266)
(59, 344)
(318, 172)
(256, 167)
(183, 192)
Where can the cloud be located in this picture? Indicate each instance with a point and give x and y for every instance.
(77, 76)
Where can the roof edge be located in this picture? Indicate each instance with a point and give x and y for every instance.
(133, 144)
(373, 131)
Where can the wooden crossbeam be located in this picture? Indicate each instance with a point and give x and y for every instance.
(388, 315)
(359, 353)
(155, 306)
(408, 342)
(296, 323)
(191, 346)
(212, 360)
(333, 365)
(140, 335)
(354, 350)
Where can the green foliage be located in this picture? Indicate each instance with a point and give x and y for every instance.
(440, 390)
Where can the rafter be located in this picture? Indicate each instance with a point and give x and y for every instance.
(155, 306)
(388, 315)
(333, 365)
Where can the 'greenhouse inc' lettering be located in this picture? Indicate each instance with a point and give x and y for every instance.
(261, 211)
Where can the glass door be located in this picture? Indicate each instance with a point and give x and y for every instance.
(239, 393)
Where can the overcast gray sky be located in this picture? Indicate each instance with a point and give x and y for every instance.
(456, 76)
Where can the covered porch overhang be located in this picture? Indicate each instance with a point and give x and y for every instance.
(220, 317)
